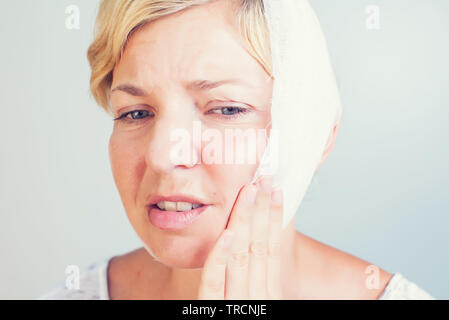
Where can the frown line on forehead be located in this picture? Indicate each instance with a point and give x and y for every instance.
(200, 85)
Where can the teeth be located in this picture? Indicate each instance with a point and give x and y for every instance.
(170, 206)
(161, 205)
(183, 206)
(177, 206)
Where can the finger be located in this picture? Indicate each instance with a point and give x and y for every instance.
(240, 222)
(212, 284)
(259, 241)
(274, 284)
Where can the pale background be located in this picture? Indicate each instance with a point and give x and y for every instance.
(382, 194)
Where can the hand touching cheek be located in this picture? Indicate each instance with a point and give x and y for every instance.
(245, 261)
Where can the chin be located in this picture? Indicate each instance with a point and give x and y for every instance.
(187, 249)
(180, 255)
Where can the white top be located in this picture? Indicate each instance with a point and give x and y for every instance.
(94, 286)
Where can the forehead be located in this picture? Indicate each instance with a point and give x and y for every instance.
(202, 42)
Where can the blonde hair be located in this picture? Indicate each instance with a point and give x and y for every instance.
(118, 19)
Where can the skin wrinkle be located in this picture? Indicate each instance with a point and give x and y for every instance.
(214, 55)
(163, 57)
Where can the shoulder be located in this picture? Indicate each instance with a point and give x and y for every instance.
(90, 284)
(329, 273)
(334, 274)
(400, 288)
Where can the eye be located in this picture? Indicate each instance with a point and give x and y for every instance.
(229, 112)
(134, 115)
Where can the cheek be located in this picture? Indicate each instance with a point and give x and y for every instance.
(126, 165)
(229, 179)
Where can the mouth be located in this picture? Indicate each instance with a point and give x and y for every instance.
(175, 212)
(178, 206)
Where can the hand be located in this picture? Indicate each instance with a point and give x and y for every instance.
(245, 261)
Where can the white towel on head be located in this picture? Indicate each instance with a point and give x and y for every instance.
(306, 102)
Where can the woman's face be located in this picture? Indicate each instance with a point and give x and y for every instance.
(157, 92)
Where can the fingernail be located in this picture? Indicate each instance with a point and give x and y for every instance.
(250, 195)
(227, 238)
(276, 198)
(266, 183)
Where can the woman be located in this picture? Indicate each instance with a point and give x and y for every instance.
(212, 228)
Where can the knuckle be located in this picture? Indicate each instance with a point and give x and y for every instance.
(240, 259)
(276, 215)
(259, 248)
(274, 249)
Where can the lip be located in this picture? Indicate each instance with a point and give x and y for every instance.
(173, 220)
(151, 200)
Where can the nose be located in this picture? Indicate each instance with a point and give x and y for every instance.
(171, 142)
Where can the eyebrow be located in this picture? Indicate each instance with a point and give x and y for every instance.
(208, 84)
(201, 85)
(131, 90)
